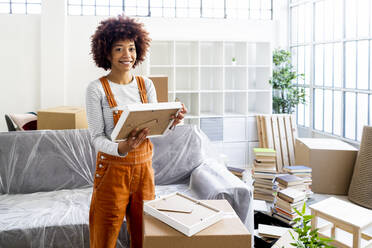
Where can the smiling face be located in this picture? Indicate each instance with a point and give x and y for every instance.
(123, 55)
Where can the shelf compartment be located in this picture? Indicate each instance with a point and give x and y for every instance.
(234, 129)
(258, 78)
(187, 78)
(164, 71)
(191, 101)
(259, 53)
(213, 128)
(187, 53)
(259, 102)
(237, 50)
(211, 78)
(235, 103)
(162, 53)
(211, 53)
(236, 153)
(235, 78)
(211, 104)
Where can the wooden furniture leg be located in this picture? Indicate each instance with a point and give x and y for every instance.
(314, 221)
(357, 237)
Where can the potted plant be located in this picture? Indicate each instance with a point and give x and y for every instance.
(307, 238)
(286, 95)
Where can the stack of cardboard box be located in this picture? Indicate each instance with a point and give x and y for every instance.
(264, 173)
(303, 172)
(286, 200)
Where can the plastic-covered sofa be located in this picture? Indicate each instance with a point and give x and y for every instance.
(46, 182)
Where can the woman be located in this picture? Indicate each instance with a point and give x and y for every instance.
(124, 176)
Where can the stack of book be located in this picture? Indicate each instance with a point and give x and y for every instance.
(264, 173)
(290, 181)
(265, 160)
(286, 201)
(301, 171)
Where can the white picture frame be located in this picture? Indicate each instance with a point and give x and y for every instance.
(174, 210)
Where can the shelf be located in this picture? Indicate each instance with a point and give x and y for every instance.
(211, 53)
(164, 71)
(235, 78)
(234, 129)
(213, 128)
(211, 78)
(236, 103)
(187, 53)
(187, 79)
(259, 53)
(258, 78)
(161, 53)
(211, 103)
(191, 101)
(259, 102)
(236, 50)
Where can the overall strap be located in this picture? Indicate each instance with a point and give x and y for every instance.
(108, 92)
(142, 89)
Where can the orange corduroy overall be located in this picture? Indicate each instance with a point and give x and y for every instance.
(120, 186)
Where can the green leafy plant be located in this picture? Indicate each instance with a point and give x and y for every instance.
(286, 95)
(307, 238)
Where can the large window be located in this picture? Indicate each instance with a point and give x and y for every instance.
(20, 6)
(229, 9)
(331, 43)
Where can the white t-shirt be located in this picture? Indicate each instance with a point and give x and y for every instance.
(100, 115)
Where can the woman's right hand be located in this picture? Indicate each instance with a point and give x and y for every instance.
(134, 139)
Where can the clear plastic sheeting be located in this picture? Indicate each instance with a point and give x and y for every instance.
(46, 182)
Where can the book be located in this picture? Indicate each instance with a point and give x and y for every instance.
(288, 180)
(261, 159)
(271, 231)
(155, 116)
(291, 195)
(264, 169)
(235, 169)
(297, 169)
(264, 152)
(287, 206)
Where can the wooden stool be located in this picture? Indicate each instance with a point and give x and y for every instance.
(343, 215)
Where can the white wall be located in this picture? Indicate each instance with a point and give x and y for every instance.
(46, 60)
(19, 64)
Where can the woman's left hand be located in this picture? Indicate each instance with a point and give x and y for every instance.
(180, 116)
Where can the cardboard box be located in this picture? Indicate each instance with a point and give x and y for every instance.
(62, 117)
(229, 232)
(332, 162)
(161, 86)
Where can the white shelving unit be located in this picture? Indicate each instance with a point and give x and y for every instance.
(222, 96)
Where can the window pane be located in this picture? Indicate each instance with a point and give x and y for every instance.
(294, 25)
(294, 57)
(337, 113)
(18, 8)
(114, 11)
(72, 2)
(328, 67)
(168, 12)
(350, 65)
(74, 10)
(120, 2)
(350, 18)
(362, 113)
(328, 111)
(194, 3)
(328, 20)
(308, 22)
(301, 23)
(308, 64)
(89, 10)
(319, 21)
(363, 65)
(350, 115)
(338, 64)
(338, 19)
(194, 13)
(300, 114)
(318, 109)
(103, 2)
(318, 65)
(307, 108)
(300, 66)
(88, 2)
(156, 12)
(5, 8)
(363, 17)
